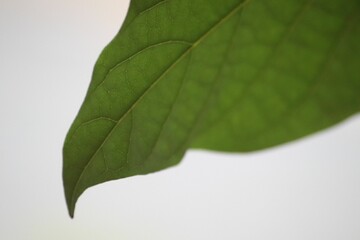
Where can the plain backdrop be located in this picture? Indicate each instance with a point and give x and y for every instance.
(308, 189)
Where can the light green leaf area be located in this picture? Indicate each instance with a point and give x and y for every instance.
(226, 75)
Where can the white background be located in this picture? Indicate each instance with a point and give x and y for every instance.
(304, 190)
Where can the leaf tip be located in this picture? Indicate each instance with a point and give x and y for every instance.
(71, 209)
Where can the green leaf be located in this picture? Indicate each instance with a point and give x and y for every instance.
(225, 75)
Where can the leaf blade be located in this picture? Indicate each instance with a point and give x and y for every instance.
(136, 131)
